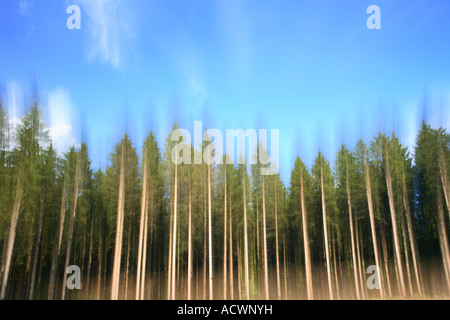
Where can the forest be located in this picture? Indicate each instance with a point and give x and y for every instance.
(146, 228)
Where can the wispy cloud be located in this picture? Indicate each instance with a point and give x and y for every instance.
(25, 7)
(61, 120)
(109, 29)
(235, 20)
(14, 102)
(194, 75)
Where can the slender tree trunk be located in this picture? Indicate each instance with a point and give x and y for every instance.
(396, 273)
(72, 222)
(247, 282)
(257, 230)
(36, 250)
(169, 276)
(444, 178)
(394, 225)
(239, 268)
(174, 241)
(89, 259)
(189, 249)
(285, 269)
(335, 267)
(141, 230)
(372, 223)
(361, 280)
(309, 285)
(99, 272)
(119, 231)
(231, 254)
(325, 232)
(197, 278)
(177, 279)
(259, 264)
(352, 235)
(277, 255)
(144, 251)
(225, 237)
(443, 240)
(411, 236)
(210, 236)
(83, 252)
(204, 243)
(57, 247)
(405, 246)
(28, 263)
(2, 265)
(128, 262)
(386, 259)
(11, 236)
(266, 271)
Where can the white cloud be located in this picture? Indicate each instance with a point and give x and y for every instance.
(14, 102)
(108, 29)
(61, 121)
(59, 114)
(25, 7)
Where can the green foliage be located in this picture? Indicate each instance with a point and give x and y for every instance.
(28, 158)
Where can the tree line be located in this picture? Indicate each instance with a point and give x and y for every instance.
(148, 228)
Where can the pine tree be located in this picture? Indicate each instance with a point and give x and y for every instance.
(31, 136)
(323, 181)
(345, 169)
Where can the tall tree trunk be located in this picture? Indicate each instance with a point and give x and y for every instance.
(325, 232)
(57, 247)
(239, 267)
(335, 266)
(99, 272)
(231, 253)
(266, 271)
(28, 263)
(11, 236)
(119, 231)
(277, 255)
(72, 222)
(169, 269)
(2, 265)
(309, 285)
(444, 178)
(443, 240)
(257, 229)
(128, 261)
(204, 243)
(141, 230)
(411, 236)
(361, 280)
(386, 258)
(144, 251)
(210, 236)
(352, 235)
(189, 284)
(36, 250)
(177, 279)
(372, 223)
(225, 237)
(89, 259)
(405, 246)
(285, 268)
(247, 282)
(174, 241)
(394, 225)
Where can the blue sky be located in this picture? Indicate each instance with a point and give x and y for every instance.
(311, 69)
